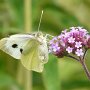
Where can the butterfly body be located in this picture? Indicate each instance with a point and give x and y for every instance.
(31, 49)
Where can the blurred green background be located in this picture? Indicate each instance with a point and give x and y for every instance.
(59, 74)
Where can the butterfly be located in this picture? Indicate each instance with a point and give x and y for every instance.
(31, 49)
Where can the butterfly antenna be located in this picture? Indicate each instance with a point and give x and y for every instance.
(40, 21)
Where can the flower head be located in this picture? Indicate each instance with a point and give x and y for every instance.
(74, 41)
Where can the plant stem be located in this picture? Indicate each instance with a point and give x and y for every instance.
(73, 57)
(85, 68)
(82, 61)
(27, 16)
(84, 54)
(27, 80)
(20, 74)
(27, 29)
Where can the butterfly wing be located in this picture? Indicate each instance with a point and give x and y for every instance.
(35, 56)
(14, 44)
(31, 49)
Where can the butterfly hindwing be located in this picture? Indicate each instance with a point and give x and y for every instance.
(34, 57)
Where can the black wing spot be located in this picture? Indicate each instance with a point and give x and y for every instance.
(21, 50)
(14, 45)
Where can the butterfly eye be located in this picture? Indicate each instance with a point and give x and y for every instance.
(14, 45)
(21, 50)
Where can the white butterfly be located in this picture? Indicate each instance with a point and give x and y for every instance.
(31, 49)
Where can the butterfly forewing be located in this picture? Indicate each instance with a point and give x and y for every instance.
(14, 44)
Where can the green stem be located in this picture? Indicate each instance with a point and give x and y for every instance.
(84, 54)
(27, 79)
(27, 27)
(20, 74)
(73, 57)
(24, 76)
(85, 68)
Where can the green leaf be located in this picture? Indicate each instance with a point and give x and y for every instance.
(51, 75)
(6, 81)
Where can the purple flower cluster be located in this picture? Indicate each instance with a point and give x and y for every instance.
(73, 41)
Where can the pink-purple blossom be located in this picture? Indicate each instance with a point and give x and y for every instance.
(69, 49)
(71, 40)
(78, 44)
(79, 52)
(74, 40)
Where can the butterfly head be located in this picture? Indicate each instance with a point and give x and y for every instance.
(39, 34)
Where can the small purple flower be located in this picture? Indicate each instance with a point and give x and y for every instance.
(62, 43)
(79, 52)
(82, 30)
(78, 44)
(71, 40)
(69, 49)
(55, 48)
(54, 40)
